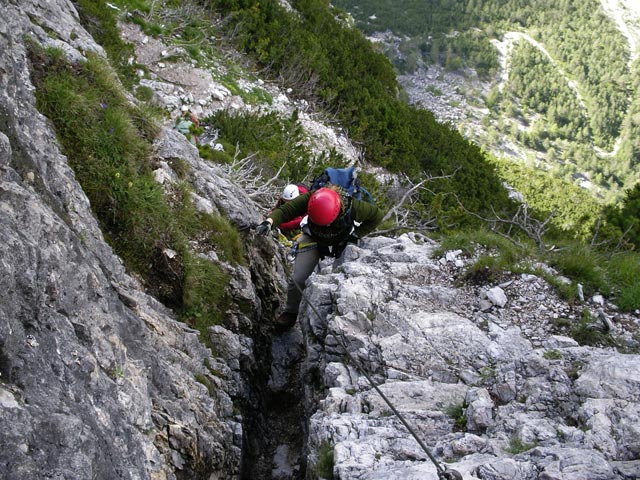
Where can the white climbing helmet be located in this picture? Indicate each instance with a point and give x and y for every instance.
(290, 192)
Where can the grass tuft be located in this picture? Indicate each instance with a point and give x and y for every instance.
(516, 446)
(457, 413)
(585, 334)
(324, 466)
(624, 272)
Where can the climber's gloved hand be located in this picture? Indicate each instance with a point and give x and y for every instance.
(352, 238)
(264, 228)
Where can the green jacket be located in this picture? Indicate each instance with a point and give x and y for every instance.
(364, 216)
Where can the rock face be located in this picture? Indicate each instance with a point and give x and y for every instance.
(479, 387)
(97, 379)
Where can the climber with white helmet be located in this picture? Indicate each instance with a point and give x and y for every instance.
(291, 191)
(291, 228)
(334, 219)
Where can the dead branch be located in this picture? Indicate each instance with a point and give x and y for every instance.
(404, 215)
(244, 172)
(532, 227)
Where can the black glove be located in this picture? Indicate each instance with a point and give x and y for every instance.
(264, 228)
(353, 239)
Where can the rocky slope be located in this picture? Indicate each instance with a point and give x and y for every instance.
(99, 380)
(481, 373)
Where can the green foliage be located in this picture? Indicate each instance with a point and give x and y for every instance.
(324, 465)
(144, 93)
(585, 334)
(487, 372)
(212, 232)
(433, 90)
(373, 186)
(497, 254)
(575, 211)
(552, 354)
(470, 49)
(472, 241)
(215, 156)
(516, 445)
(541, 89)
(180, 166)
(626, 217)
(567, 291)
(205, 297)
(256, 96)
(116, 373)
(583, 265)
(457, 412)
(582, 97)
(107, 142)
(200, 378)
(623, 270)
(274, 141)
(615, 276)
(100, 20)
(486, 269)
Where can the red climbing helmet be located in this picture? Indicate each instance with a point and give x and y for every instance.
(324, 206)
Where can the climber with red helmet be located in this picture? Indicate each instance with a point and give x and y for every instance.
(334, 219)
(291, 228)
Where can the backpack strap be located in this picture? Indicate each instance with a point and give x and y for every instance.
(366, 192)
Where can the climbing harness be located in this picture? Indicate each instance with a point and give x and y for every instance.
(444, 473)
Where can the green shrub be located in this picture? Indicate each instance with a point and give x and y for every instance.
(274, 141)
(567, 291)
(107, 142)
(456, 411)
(214, 232)
(180, 166)
(335, 66)
(501, 255)
(101, 22)
(615, 276)
(469, 241)
(206, 382)
(552, 354)
(215, 156)
(324, 465)
(486, 269)
(144, 93)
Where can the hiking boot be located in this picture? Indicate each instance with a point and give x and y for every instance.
(285, 321)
